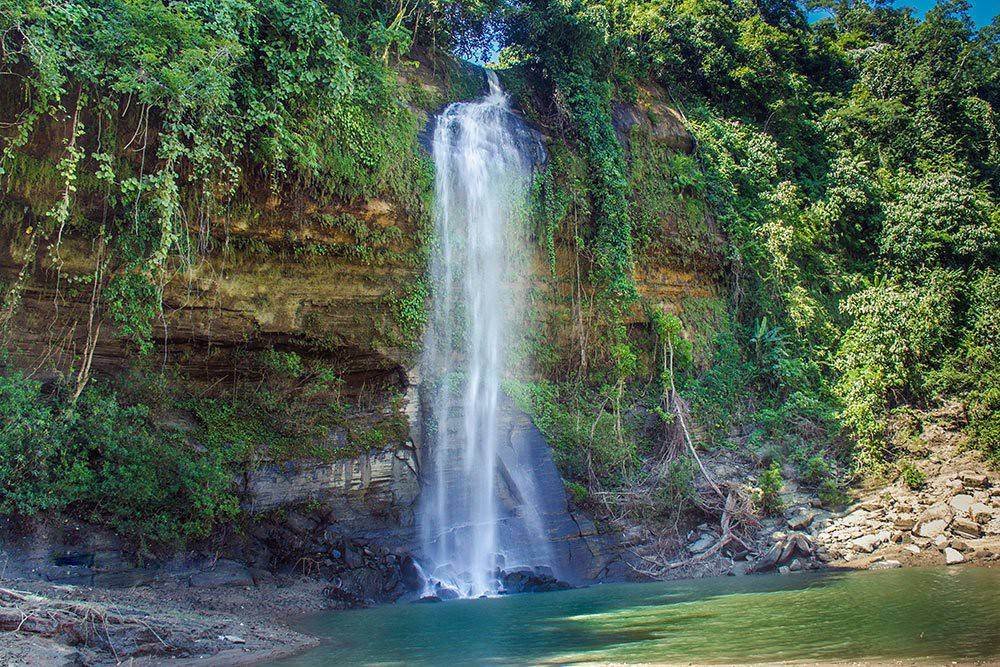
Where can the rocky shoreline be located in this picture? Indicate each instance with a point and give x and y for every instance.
(226, 612)
(171, 624)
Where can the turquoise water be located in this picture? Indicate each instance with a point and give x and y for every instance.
(908, 614)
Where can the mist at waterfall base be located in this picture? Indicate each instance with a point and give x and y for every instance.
(904, 616)
(478, 509)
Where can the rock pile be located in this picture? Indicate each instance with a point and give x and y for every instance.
(954, 518)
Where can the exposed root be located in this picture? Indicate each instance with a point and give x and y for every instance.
(78, 623)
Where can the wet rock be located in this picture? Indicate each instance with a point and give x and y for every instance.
(526, 580)
(885, 565)
(427, 599)
(445, 593)
(953, 556)
(409, 573)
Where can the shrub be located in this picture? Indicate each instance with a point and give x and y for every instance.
(913, 477)
(768, 495)
(100, 460)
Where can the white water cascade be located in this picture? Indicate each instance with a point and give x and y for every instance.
(482, 178)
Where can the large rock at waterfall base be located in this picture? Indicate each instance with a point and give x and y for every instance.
(528, 580)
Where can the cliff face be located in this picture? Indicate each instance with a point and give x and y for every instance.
(333, 282)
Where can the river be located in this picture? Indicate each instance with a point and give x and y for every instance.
(932, 614)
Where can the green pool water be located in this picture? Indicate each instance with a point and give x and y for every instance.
(910, 614)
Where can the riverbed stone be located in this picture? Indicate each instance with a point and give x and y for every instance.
(868, 543)
(961, 503)
(976, 480)
(885, 565)
(981, 512)
(801, 521)
(933, 528)
(953, 556)
(966, 528)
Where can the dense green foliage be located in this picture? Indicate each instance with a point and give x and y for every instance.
(853, 166)
(137, 125)
(104, 462)
(843, 185)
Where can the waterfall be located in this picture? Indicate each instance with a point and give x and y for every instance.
(482, 177)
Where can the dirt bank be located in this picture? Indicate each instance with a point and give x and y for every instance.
(169, 623)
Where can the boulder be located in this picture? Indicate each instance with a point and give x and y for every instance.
(703, 543)
(885, 565)
(868, 543)
(961, 503)
(966, 528)
(976, 480)
(801, 521)
(953, 556)
(526, 580)
(936, 512)
(981, 512)
(933, 528)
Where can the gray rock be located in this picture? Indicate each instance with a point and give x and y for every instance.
(932, 528)
(953, 556)
(868, 543)
(703, 543)
(961, 503)
(801, 521)
(885, 565)
(912, 548)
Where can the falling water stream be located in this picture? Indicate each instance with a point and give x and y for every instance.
(482, 177)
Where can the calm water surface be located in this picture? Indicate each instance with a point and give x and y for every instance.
(937, 614)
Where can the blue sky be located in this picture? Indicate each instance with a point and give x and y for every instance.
(982, 11)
